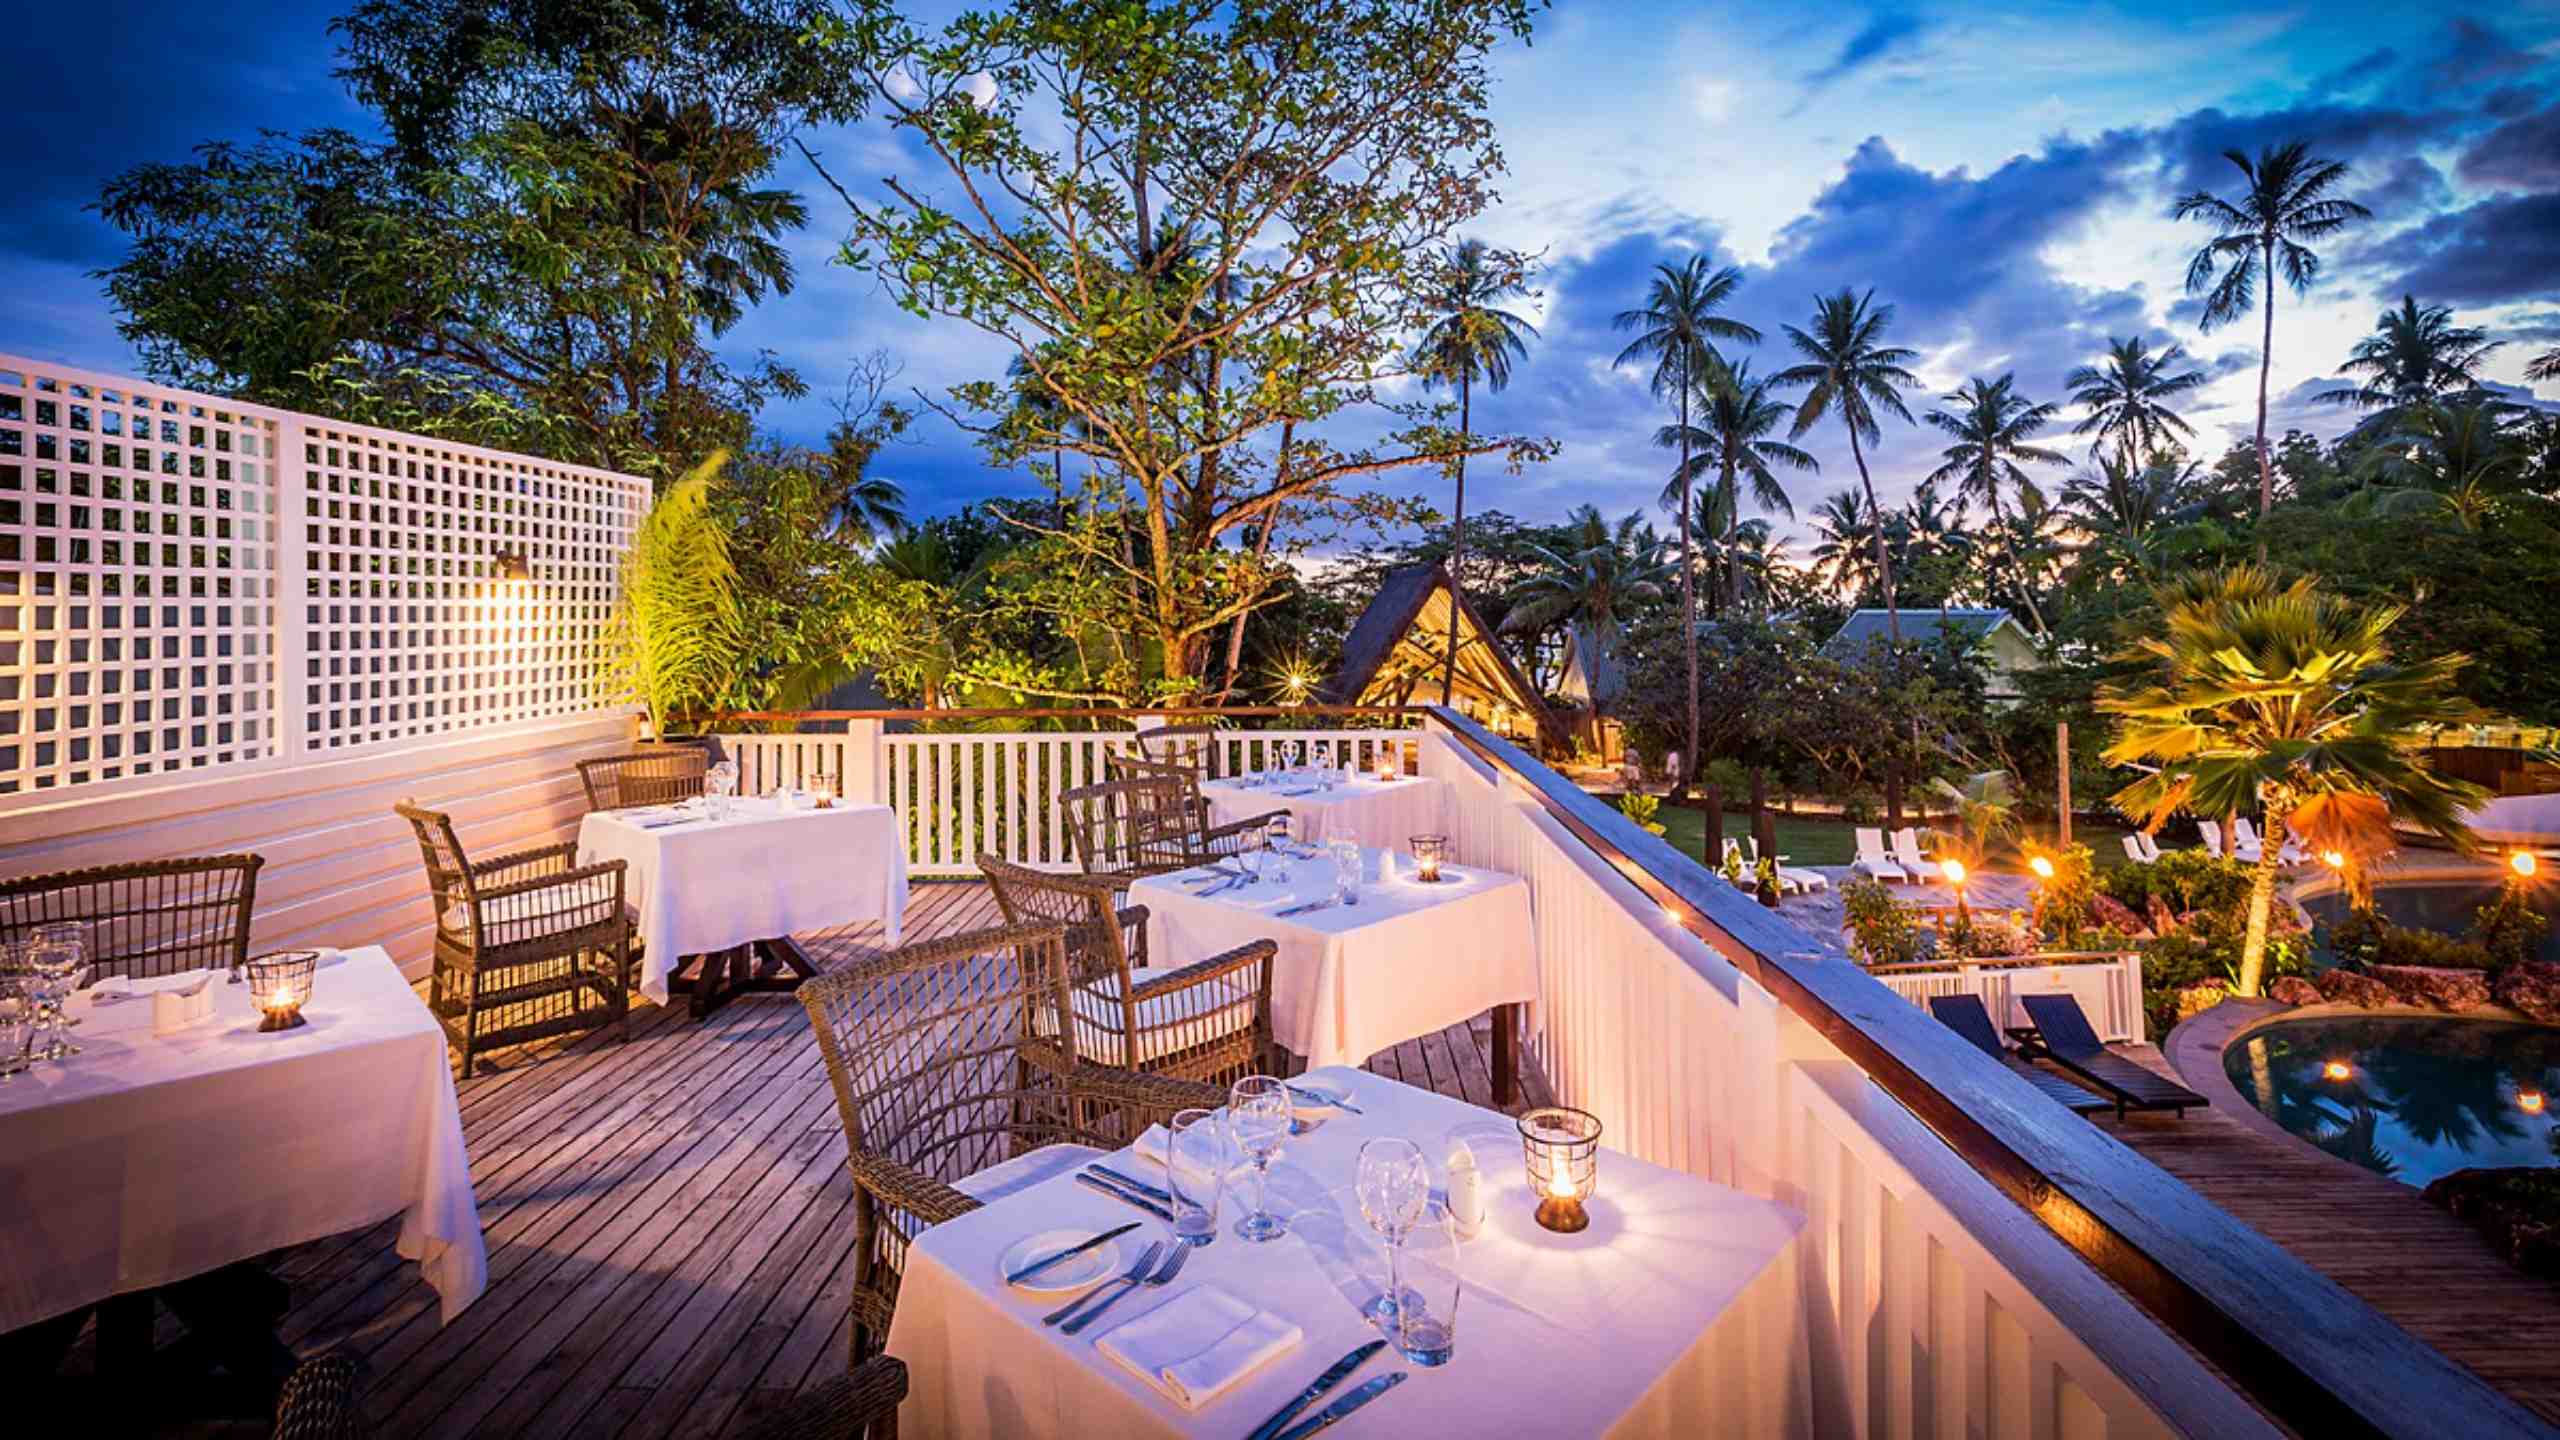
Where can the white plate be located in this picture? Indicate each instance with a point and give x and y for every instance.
(1071, 1274)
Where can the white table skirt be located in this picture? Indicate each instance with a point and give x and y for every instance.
(1384, 815)
(146, 1159)
(1353, 980)
(1678, 1313)
(705, 886)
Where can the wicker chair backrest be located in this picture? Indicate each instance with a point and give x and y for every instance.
(152, 917)
(645, 777)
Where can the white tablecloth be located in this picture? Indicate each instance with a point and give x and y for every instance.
(703, 886)
(146, 1158)
(1678, 1313)
(1384, 814)
(1353, 980)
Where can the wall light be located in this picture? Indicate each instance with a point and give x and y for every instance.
(2042, 867)
(512, 566)
(2524, 863)
(2338, 1070)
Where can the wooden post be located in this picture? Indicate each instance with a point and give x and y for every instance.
(1711, 829)
(2062, 752)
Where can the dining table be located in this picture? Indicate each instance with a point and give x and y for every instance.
(1402, 958)
(1385, 814)
(172, 1146)
(732, 880)
(1679, 1311)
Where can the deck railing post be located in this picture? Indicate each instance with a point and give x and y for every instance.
(290, 638)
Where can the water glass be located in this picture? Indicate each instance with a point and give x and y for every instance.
(53, 965)
(1394, 1184)
(1249, 856)
(1426, 1329)
(1258, 1114)
(17, 1025)
(1198, 1155)
(1346, 870)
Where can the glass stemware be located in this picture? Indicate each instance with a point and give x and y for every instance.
(52, 966)
(17, 1024)
(1258, 1115)
(1249, 855)
(1198, 1155)
(1346, 870)
(72, 935)
(1394, 1184)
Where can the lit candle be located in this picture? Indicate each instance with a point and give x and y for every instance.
(1386, 766)
(1427, 853)
(281, 983)
(1561, 1147)
(2338, 1070)
(2529, 1101)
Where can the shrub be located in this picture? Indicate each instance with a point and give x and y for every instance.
(1641, 808)
(1881, 932)
(2509, 928)
(2362, 937)
(1733, 776)
(1979, 935)
(2185, 880)
(1860, 805)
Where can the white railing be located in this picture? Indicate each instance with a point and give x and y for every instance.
(971, 793)
(2108, 987)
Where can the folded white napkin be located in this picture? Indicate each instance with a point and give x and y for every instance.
(1198, 1344)
(1151, 1149)
(112, 988)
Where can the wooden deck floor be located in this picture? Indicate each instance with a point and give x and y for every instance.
(2413, 1262)
(667, 1221)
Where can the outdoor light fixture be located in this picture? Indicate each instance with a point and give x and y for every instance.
(1428, 852)
(280, 984)
(2042, 867)
(2337, 1070)
(2524, 863)
(1386, 765)
(2529, 1101)
(512, 567)
(1562, 1148)
(1955, 871)
(2334, 859)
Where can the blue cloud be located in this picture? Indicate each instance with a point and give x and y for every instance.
(1878, 39)
(2522, 154)
(2500, 251)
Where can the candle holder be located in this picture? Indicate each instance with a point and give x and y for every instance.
(1386, 767)
(280, 984)
(1428, 853)
(1562, 1147)
(822, 789)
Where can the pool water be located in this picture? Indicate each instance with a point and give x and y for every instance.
(2446, 907)
(2411, 1098)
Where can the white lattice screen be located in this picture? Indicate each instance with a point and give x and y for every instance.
(187, 582)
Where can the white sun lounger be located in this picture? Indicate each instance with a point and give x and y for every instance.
(2247, 840)
(1789, 877)
(1872, 860)
(1906, 853)
(2133, 850)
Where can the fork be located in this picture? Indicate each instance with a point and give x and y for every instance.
(1163, 1276)
(1137, 1273)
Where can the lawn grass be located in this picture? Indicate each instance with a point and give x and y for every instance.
(1824, 840)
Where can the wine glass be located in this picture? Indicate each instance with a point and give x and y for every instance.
(73, 935)
(1394, 1182)
(1258, 1115)
(53, 965)
(17, 1024)
(1249, 855)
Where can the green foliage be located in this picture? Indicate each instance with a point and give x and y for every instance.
(2509, 928)
(1881, 931)
(1641, 808)
(1986, 808)
(2363, 937)
(2186, 880)
(674, 638)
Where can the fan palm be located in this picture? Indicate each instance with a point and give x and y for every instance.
(2281, 698)
(1592, 580)
(1853, 374)
(1985, 807)
(1993, 427)
(2285, 202)
(1676, 328)
(1470, 340)
(1730, 440)
(2126, 514)
(2127, 396)
(2414, 355)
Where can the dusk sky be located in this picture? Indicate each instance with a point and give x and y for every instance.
(2002, 173)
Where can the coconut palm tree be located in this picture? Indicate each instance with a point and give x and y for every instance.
(1471, 340)
(2545, 366)
(2261, 233)
(1593, 580)
(2273, 697)
(2127, 395)
(1845, 553)
(1853, 374)
(1992, 426)
(2459, 458)
(2127, 515)
(1677, 329)
(1730, 440)
(2415, 354)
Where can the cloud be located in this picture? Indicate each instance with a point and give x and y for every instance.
(2499, 251)
(2474, 54)
(1877, 40)
(2355, 74)
(2540, 325)
(2509, 101)
(2410, 186)
(2366, 137)
(2522, 154)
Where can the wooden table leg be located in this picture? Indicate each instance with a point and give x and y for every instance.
(1506, 1054)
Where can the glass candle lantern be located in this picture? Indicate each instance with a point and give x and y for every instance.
(1386, 768)
(822, 790)
(280, 984)
(1562, 1147)
(1428, 853)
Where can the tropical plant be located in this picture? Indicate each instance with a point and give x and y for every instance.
(1853, 374)
(1642, 808)
(2545, 366)
(2260, 237)
(2127, 395)
(1880, 931)
(1592, 581)
(1993, 427)
(2128, 516)
(1730, 440)
(1985, 807)
(672, 643)
(1844, 552)
(2280, 698)
(2415, 355)
(2456, 458)
(1471, 339)
(1676, 328)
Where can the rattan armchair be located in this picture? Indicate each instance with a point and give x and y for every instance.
(859, 1402)
(1126, 830)
(1209, 1020)
(323, 1399)
(644, 777)
(1194, 747)
(956, 1088)
(528, 945)
(1201, 840)
(150, 917)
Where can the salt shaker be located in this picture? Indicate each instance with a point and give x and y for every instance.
(1466, 1191)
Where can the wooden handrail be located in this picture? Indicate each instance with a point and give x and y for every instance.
(2313, 1356)
(1084, 712)
(2003, 962)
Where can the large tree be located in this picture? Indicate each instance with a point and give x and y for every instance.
(1730, 440)
(2285, 201)
(1853, 374)
(2415, 355)
(2128, 397)
(1197, 227)
(1472, 341)
(1676, 329)
(1994, 429)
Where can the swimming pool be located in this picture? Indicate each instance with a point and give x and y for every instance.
(2408, 1097)
(2445, 906)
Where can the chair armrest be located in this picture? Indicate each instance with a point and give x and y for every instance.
(905, 1188)
(1238, 827)
(543, 859)
(1132, 920)
(843, 1407)
(1154, 1097)
(558, 879)
(1250, 955)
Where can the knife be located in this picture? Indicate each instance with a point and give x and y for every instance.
(1339, 1372)
(1116, 1193)
(1367, 1391)
(1071, 1252)
(1152, 1192)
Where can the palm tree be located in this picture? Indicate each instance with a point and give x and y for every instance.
(1992, 427)
(2127, 396)
(2127, 515)
(1853, 374)
(2285, 202)
(1676, 328)
(2282, 698)
(1735, 416)
(1591, 581)
(2545, 366)
(1472, 339)
(2415, 354)
(1845, 553)
(2457, 457)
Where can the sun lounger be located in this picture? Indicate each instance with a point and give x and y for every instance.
(2133, 850)
(1872, 860)
(2238, 850)
(1965, 1015)
(2062, 1035)
(1906, 853)
(2245, 839)
(1789, 878)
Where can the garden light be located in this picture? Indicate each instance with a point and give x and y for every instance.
(2524, 863)
(2334, 859)
(2042, 867)
(1955, 872)
(2529, 1101)
(2338, 1070)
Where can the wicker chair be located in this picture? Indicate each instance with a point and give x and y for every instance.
(644, 777)
(1194, 747)
(152, 917)
(528, 945)
(323, 1399)
(1209, 1020)
(1128, 829)
(955, 1090)
(862, 1401)
(1201, 841)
